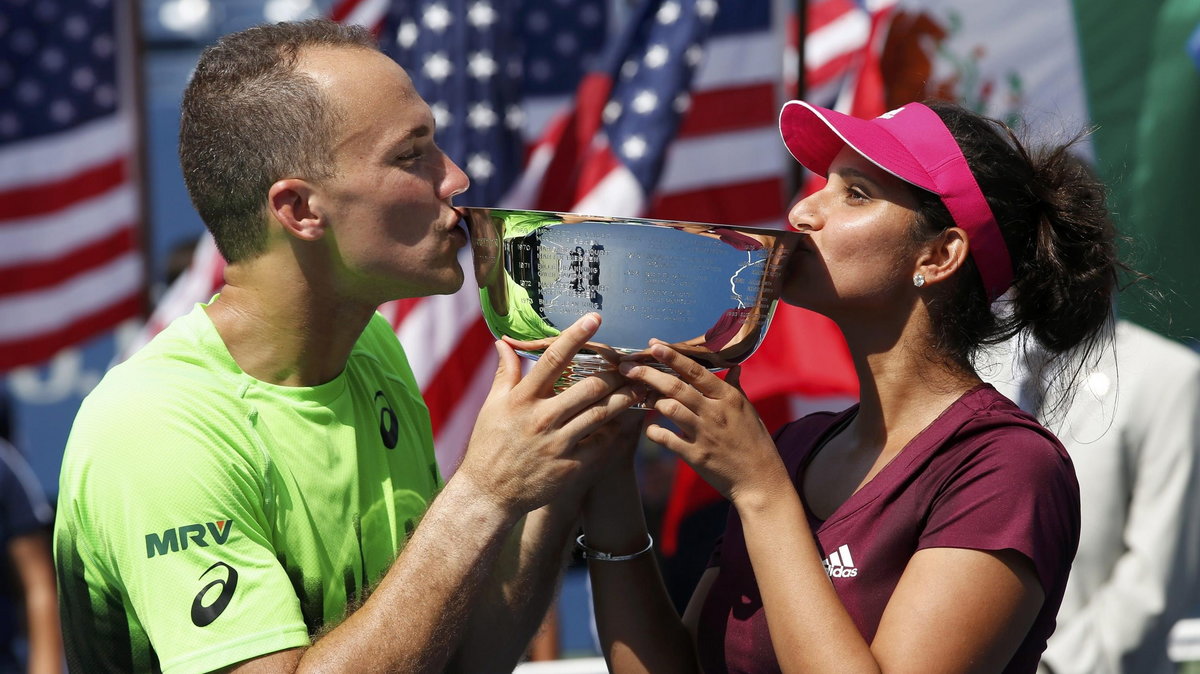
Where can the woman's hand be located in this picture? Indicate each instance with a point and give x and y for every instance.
(720, 434)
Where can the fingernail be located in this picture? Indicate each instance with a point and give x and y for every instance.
(591, 321)
(626, 367)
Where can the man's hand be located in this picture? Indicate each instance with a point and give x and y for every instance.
(525, 447)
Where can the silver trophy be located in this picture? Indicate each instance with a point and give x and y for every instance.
(707, 290)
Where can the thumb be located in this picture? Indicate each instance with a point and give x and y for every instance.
(508, 370)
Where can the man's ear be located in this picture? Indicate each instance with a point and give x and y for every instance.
(943, 255)
(291, 203)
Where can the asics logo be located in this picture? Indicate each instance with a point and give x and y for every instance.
(389, 425)
(203, 614)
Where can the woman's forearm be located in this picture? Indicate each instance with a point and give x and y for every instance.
(639, 628)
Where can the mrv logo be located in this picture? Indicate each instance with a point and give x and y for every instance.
(174, 540)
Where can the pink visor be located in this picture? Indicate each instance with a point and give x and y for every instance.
(913, 144)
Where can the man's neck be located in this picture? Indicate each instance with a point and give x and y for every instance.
(284, 332)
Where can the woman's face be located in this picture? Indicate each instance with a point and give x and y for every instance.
(859, 254)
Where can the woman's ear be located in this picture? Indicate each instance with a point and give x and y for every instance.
(291, 203)
(943, 255)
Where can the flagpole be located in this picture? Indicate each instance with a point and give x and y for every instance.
(141, 155)
(801, 81)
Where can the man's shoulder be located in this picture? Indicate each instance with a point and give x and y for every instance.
(380, 347)
(1153, 357)
(163, 375)
(163, 395)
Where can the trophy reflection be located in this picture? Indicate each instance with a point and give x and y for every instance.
(707, 290)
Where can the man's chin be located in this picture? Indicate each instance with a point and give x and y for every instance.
(450, 286)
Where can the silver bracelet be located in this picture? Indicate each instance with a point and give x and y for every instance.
(591, 553)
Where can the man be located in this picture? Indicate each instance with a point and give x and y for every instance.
(1132, 428)
(234, 495)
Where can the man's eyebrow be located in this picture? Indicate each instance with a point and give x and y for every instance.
(422, 131)
(415, 133)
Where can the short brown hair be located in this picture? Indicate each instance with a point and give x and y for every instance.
(249, 119)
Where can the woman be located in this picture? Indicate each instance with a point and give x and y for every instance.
(932, 526)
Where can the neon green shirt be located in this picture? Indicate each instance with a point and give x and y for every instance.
(206, 517)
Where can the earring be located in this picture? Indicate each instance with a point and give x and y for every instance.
(919, 280)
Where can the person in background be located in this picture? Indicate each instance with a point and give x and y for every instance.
(256, 489)
(28, 599)
(931, 527)
(1133, 431)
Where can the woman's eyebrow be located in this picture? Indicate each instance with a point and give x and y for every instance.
(851, 172)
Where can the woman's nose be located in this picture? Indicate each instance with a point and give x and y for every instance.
(803, 215)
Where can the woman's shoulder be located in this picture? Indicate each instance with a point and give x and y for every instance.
(990, 433)
(986, 413)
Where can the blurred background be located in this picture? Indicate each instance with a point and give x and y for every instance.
(661, 108)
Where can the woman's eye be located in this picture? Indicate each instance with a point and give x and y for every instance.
(856, 194)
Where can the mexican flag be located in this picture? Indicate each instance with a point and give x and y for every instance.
(1130, 70)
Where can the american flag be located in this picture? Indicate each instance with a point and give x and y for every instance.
(712, 153)
(841, 42)
(69, 203)
(673, 117)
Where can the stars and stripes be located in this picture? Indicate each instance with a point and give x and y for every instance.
(674, 117)
(69, 204)
(678, 122)
(464, 57)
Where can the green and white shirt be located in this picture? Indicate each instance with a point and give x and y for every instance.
(205, 517)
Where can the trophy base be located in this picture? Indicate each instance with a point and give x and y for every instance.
(585, 365)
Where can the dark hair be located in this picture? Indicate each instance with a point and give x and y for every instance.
(1053, 216)
(249, 119)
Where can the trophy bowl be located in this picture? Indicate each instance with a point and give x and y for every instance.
(707, 290)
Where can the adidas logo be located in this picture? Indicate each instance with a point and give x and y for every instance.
(839, 564)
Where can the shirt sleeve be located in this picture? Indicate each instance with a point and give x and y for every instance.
(165, 527)
(1014, 490)
(23, 505)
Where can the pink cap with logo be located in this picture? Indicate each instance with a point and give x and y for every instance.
(913, 144)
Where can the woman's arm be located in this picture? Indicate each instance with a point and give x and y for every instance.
(639, 629)
(953, 610)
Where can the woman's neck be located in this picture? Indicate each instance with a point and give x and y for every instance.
(904, 385)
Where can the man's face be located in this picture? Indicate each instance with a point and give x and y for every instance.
(387, 206)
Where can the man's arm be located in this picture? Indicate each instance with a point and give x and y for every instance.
(519, 591)
(527, 579)
(30, 555)
(523, 451)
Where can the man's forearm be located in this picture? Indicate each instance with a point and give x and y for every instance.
(415, 617)
(523, 585)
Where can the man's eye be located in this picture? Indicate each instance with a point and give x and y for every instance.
(410, 156)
